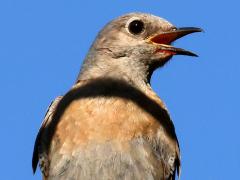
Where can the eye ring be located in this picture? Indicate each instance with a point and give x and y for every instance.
(135, 26)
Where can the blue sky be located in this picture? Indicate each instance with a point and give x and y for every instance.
(43, 43)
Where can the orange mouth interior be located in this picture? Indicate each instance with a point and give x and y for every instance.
(167, 38)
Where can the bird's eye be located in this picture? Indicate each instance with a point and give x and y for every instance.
(136, 27)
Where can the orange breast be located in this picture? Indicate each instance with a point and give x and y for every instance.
(101, 119)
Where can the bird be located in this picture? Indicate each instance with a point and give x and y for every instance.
(111, 125)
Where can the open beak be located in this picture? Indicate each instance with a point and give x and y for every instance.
(164, 40)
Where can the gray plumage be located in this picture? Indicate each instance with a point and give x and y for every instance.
(111, 125)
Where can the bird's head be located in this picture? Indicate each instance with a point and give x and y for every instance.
(139, 40)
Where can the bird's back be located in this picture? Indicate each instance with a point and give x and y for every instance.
(107, 129)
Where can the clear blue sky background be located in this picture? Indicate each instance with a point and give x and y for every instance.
(43, 43)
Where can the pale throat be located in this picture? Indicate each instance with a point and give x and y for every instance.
(131, 70)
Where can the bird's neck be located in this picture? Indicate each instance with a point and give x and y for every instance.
(123, 68)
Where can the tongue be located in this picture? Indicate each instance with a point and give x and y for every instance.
(166, 52)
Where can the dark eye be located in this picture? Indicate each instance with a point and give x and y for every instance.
(136, 27)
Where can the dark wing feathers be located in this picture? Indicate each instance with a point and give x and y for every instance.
(47, 119)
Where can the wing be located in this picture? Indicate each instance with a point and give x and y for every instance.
(38, 152)
(90, 141)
